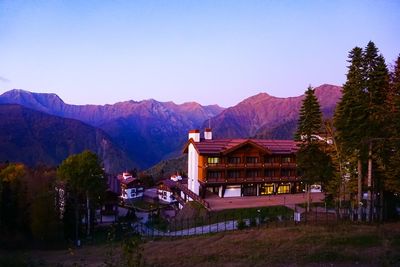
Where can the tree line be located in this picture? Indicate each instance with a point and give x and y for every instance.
(357, 155)
(45, 205)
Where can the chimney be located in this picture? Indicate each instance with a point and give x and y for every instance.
(208, 134)
(195, 135)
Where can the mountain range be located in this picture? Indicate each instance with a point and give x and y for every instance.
(34, 138)
(149, 131)
(266, 116)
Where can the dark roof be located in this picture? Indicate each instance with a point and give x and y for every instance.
(129, 181)
(223, 145)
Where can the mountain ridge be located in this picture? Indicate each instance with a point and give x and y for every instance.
(263, 111)
(34, 137)
(151, 131)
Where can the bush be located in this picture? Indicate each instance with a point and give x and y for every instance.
(241, 224)
(253, 222)
(157, 222)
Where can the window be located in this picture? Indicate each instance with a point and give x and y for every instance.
(272, 159)
(213, 160)
(252, 173)
(285, 172)
(249, 190)
(268, 159)
(287, 159)
(214, 174)
(266, 189)
(269, 173)
(234, 160)
(233, 174)
(284, 188)
(252, 160)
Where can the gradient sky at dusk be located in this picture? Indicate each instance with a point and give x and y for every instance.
(206, 51)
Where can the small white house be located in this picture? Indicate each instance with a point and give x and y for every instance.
(131, 187)
(164, 191)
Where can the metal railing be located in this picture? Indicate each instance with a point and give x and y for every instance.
(192, 195)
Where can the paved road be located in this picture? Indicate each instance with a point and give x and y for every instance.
(217, 203)
(205, 229)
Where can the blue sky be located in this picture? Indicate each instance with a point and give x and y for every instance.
(221, 52)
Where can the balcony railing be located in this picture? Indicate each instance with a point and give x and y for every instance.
(249, 165)
(252, 179)
(288, 165)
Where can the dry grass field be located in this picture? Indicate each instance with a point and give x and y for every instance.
(307, 245)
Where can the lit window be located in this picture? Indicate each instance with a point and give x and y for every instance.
(213, 160)
(266, 189)
(284, 189)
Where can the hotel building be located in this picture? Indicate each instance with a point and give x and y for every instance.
(241, 167)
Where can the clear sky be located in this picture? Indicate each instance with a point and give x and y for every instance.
(98, 52)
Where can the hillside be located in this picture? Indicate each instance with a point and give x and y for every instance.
(148, 130)
(266, 116)
(311, 245)
(34, 137)
(165, 168)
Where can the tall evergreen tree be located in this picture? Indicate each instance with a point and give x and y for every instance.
(377, 88)
(392, 170)
(310, 119)
(361, 115)
(350, 119)
(313, 164)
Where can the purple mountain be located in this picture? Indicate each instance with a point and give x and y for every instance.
(266, 116)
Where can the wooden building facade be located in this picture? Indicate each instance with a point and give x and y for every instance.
(242, 167)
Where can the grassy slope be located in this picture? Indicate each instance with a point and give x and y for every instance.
(292, 246)
(334, 245)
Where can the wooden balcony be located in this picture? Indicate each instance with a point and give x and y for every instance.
(258, 165)
(289, 165)
(240, 180)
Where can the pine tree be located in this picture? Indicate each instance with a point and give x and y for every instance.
(361, 117)
(310, 119)
(377, 88)
(350, 119)
(350, 116)
(392, 174)
(314, 165)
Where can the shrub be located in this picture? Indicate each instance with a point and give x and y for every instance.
(253, 222)
(241, 224)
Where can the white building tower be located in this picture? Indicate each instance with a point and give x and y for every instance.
(193, 161)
